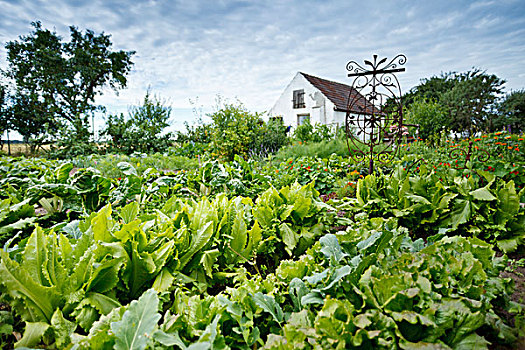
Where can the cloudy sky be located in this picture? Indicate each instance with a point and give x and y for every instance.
(189, 51)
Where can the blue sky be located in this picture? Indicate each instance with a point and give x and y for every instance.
(250, 50)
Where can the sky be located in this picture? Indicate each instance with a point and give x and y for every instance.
(190, 52)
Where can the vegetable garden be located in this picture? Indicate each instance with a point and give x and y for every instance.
(171, 251)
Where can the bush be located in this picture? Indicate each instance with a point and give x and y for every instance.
(144, 130)
(272, 136)
(235, 131)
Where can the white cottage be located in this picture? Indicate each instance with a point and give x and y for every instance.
(315, 99)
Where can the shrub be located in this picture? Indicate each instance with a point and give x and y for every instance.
(235, 130)
(143, 131)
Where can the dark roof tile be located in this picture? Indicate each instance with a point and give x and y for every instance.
(339, 94)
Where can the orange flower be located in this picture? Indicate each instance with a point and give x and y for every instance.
(498, 133)
(495, 138)
(507, 137)
(476, 140)
(510, 147)
(517, 149)
(276, 170)
(520, 139)
(484, 136)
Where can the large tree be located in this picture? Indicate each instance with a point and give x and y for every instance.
(55, 82)
(3, 112)
(469, 99)
(472, 102)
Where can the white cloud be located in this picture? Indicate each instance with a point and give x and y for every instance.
(251, 49)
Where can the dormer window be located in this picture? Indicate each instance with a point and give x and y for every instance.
(298, 99)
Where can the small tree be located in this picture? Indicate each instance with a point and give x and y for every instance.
(429, 115)
(143, 131)
(235, 130)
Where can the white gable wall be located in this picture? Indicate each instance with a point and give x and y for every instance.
(317, 106)
(320, 108)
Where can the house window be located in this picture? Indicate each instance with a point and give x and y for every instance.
(298, 99)
(302, 119)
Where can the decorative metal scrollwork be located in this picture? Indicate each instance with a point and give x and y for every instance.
(374, 126)
(458, 153)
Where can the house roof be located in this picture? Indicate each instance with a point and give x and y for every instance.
(339, 94)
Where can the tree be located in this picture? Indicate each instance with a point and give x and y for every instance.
(3, 113)
(430, 115)
(143, 131)
(235, 130)
(58, 81)
(469, 98)
(512, 112)
(471, 102)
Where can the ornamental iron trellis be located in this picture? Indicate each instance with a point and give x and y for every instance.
(374, 128)
(458, 153)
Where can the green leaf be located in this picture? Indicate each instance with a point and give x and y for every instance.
(198, 241)
(127, 168)
(169, 339)
(297, 290)
(163, 281)
(238, 232)
(472, 341)
(106, 276)
(509, 245)
(331, 249)
(461, 213)
(62, 328)
(290, 238)
(138, 322)
(102, 224)
(42, 301)
(268, 304)
(482, 194)
(103, 303)
(35, 256)
(32, 334)
(129, 212)
(62, 172)
(208, 259)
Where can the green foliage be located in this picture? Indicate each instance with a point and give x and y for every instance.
(471, 102)
(512, 112)
(235, 131)
(303, 132)
(430, 116)
(56, 82)
(446, 201)
(272, 136)
(469, 99)
(321, 149)
(144, 129)
(217, 257)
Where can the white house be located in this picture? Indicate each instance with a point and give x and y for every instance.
(317, 100)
